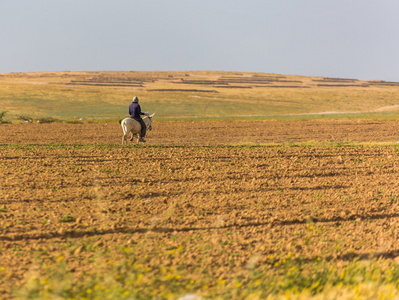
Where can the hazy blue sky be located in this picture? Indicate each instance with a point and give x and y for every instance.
(335, 38)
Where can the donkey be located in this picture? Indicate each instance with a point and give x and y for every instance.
(131, 125)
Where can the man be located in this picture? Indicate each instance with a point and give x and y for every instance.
(135, 113)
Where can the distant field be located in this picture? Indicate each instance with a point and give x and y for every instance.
(193, 95)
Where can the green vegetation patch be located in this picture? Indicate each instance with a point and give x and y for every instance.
(279, 278)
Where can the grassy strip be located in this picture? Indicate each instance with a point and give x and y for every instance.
(134, 147)
(280, 277)
(159, 118)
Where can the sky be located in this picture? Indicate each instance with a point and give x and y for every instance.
(332, 38)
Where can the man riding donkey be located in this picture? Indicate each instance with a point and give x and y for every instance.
(135, 113)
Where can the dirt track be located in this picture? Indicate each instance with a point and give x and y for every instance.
(71, 193)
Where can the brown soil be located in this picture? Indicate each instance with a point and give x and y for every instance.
(205, 133)
(190, 183)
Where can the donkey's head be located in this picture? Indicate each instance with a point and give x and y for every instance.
(149, 124)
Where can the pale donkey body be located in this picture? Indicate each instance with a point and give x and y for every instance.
(133, 126)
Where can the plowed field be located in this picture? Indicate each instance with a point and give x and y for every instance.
(205, 133)
(215, 209)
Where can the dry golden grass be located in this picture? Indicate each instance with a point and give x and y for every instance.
(194, 94)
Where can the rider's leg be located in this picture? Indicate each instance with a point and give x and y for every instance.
(143, 128)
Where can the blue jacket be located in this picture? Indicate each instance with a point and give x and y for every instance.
(135, 111)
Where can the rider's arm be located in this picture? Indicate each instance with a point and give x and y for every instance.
(139, 110)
